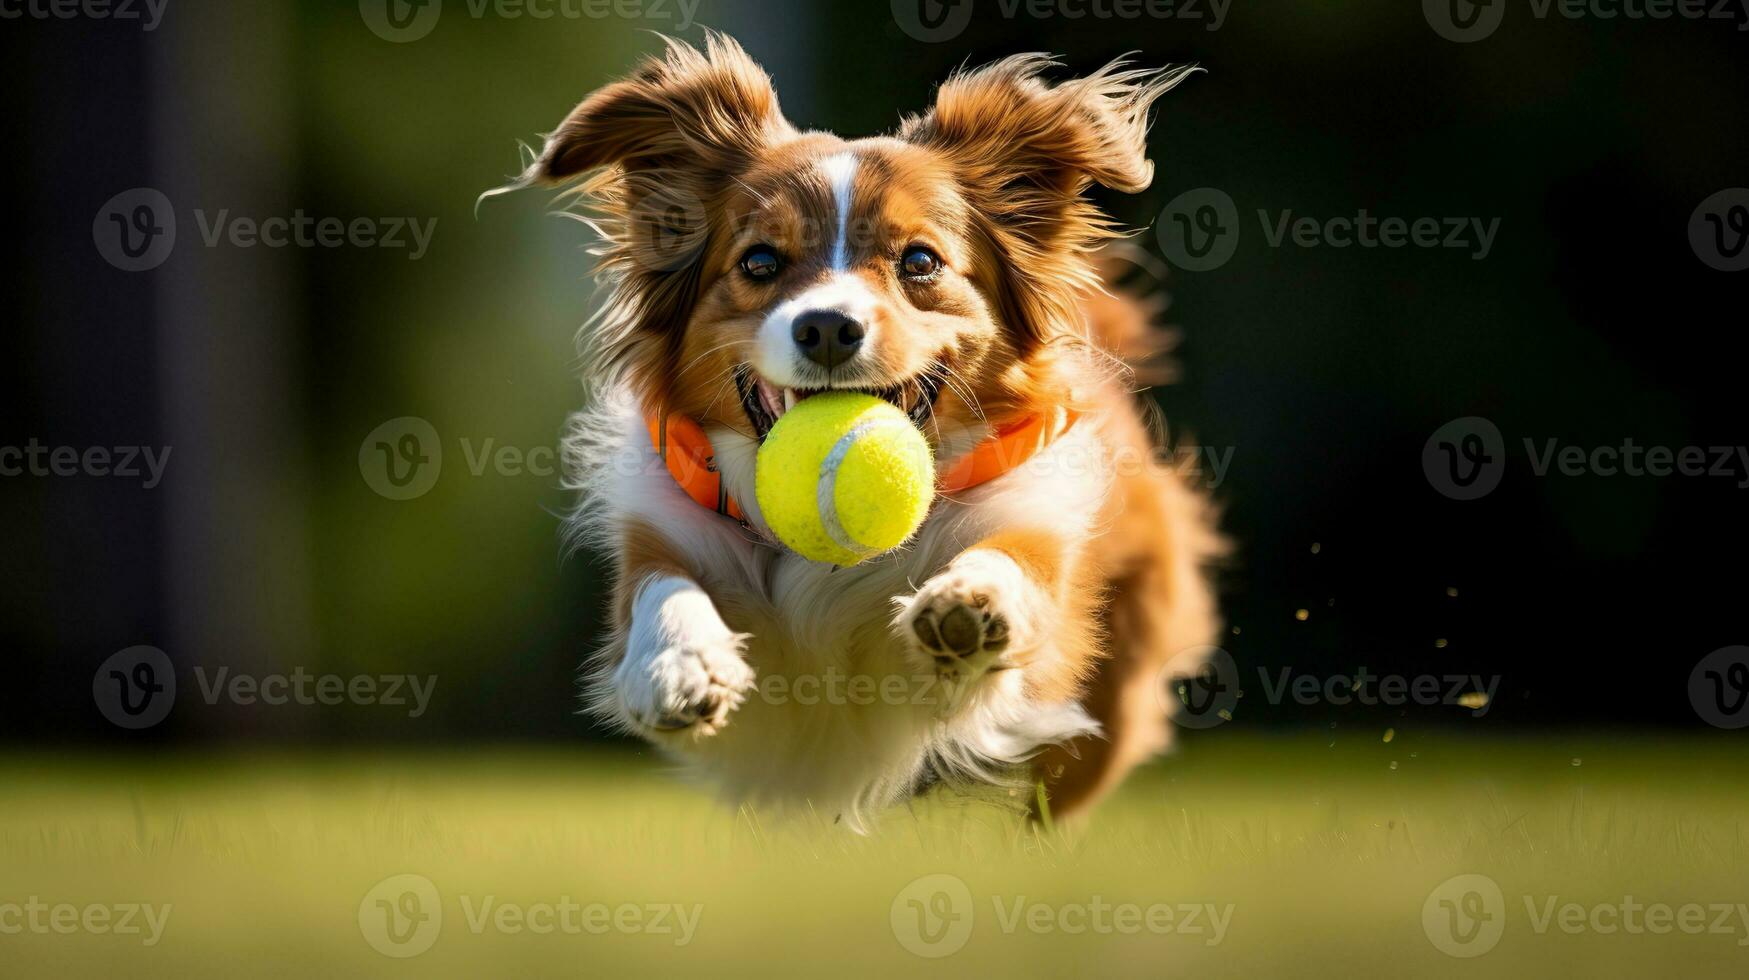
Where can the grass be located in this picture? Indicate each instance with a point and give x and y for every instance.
(1321, 853)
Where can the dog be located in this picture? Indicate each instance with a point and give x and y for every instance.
(1029, 631)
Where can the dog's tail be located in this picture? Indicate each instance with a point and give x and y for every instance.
(1124, 319)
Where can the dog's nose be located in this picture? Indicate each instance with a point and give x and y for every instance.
(827, 337)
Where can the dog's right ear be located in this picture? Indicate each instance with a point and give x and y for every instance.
(698, 112)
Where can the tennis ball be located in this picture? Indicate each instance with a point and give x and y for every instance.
(844, 476)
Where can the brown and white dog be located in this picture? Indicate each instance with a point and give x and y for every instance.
(949, 267)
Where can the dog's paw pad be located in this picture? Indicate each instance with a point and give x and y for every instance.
(686, 686)
(965, 617)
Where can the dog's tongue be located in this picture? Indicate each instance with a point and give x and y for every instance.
(771, 398)
(780, 400)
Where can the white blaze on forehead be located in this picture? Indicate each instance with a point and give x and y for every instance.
(840, 171)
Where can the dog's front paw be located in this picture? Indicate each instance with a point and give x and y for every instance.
(683, 667)
(969, 615)
(685, 686)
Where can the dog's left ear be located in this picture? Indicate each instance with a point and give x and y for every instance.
(1025, 152)
(1002, 124)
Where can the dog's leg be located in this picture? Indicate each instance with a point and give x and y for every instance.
(997, 605)
(680, 666)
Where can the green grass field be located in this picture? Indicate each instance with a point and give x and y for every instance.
(1316, 854)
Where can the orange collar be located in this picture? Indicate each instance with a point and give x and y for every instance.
(686, 451)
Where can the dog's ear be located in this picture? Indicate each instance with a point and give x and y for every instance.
(1025, 153)
(652, 157)
(708, 111)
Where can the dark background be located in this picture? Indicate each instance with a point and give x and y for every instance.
(1325, 370)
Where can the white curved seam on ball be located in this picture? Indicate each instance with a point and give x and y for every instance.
(826, 497)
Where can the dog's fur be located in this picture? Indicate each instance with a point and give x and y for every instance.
(1032, 621)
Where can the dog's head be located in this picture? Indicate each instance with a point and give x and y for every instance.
(750, 265)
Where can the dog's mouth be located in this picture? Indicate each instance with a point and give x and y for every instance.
(765, 402)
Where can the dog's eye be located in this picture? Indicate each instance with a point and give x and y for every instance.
(760, 263)
(919, 263)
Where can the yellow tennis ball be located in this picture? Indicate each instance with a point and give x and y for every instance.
(844, 476)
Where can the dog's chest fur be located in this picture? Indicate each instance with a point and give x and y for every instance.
(843, 717)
